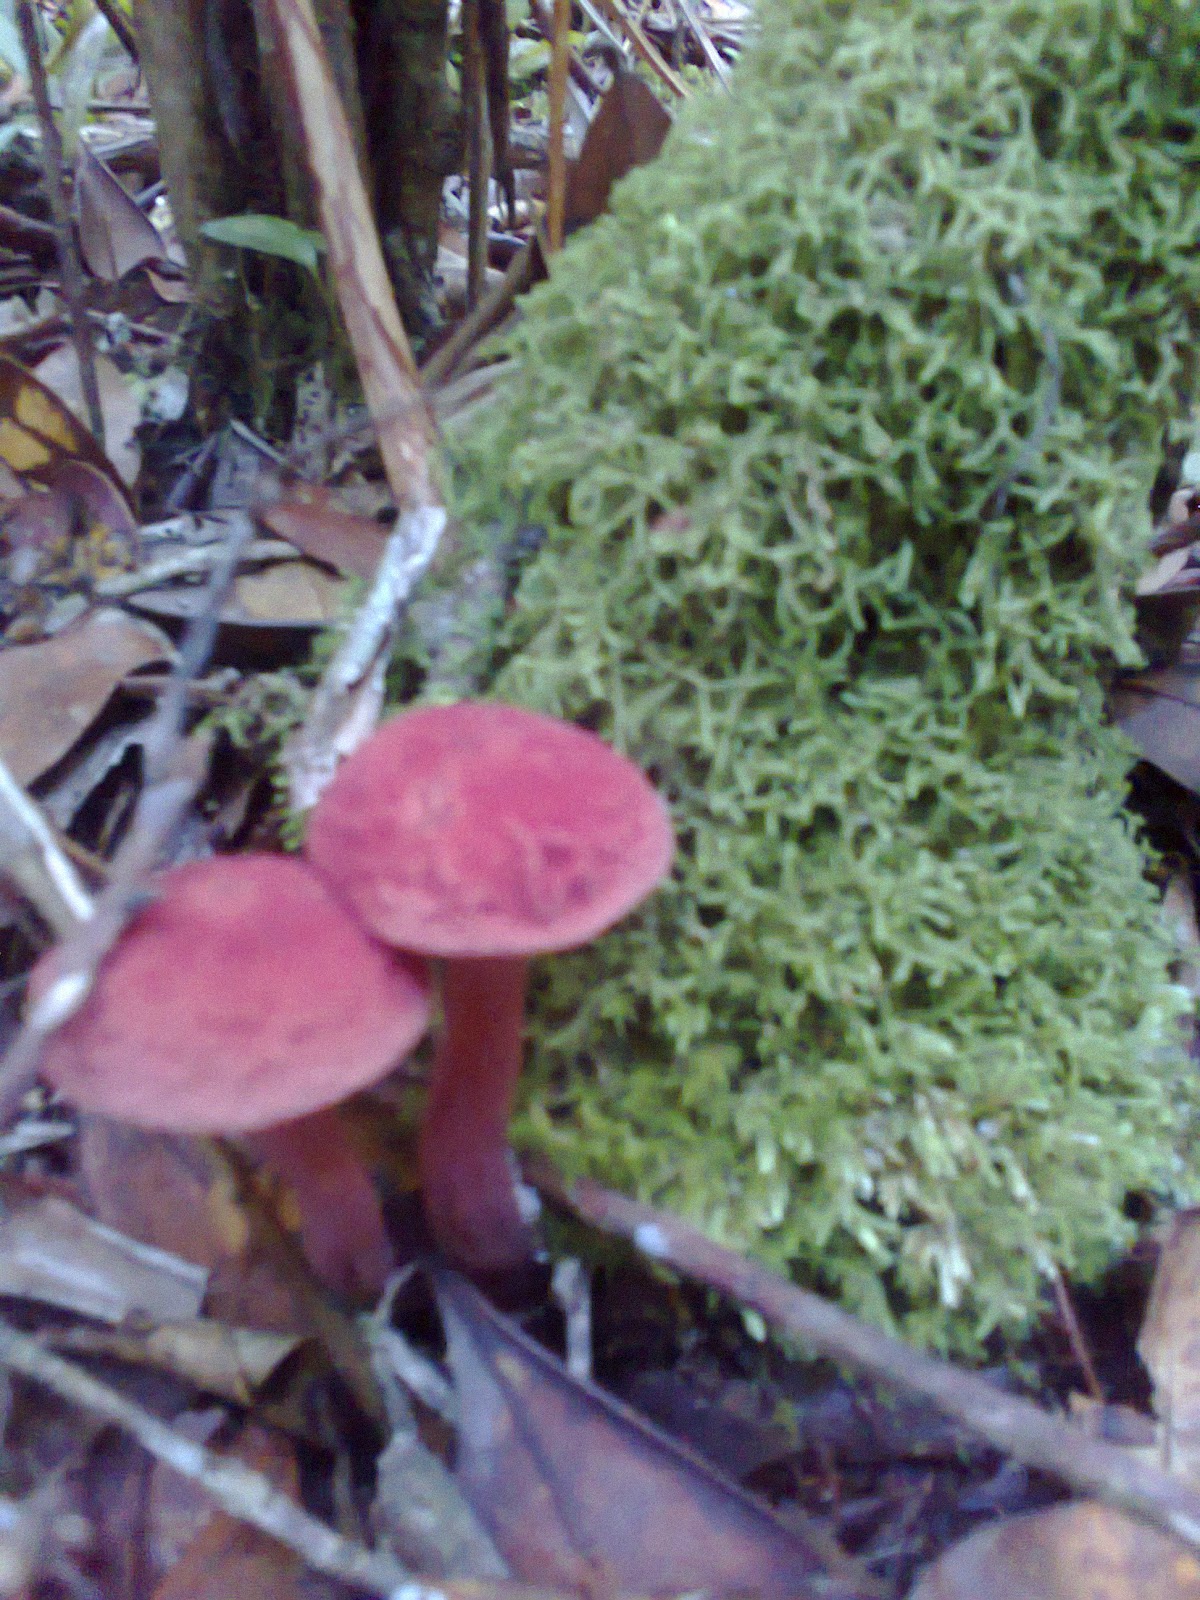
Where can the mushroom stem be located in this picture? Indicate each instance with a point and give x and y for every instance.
(467, 1178)
(341, 1224)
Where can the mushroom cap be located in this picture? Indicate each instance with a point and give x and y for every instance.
(481, 829)
(243, 995)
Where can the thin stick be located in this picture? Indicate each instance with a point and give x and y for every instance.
(1014, 1425)
(714, 57)
(479, 175)
(241, 1492)
(246, 1494)
(330, 730)
(68, 256)
(620, 18)
(32, 857)
(172, 776)
(521, 271)
(556, 205)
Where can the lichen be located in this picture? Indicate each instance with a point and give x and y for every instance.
(842, 427)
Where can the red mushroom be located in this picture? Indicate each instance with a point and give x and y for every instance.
(485, 834)
(244, 999)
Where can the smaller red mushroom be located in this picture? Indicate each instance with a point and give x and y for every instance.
(245, 1000)
(485, 834)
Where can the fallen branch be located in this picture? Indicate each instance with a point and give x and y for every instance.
(1014, 1425)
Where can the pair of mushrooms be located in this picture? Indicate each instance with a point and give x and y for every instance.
(256, 991)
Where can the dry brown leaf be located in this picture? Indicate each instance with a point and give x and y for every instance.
(627, 131)
(115, 235)
(52, 692)
(577, 1490)
(1083, 1551)
(1160, 711)
(38, 428)
(52, 1252)
(310, 517)
(1169, 1345)
(288, 594)
(227, 1557)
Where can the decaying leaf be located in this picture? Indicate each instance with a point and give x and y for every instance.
(228, 1557)
(52, 692)
(120, 407)
(627, 131)
(311, 519)
(52, 1252)
(1169, 1345)
(575, 1488)
(38, 428)
(1160, 711)
(1083, 1551)
(115, 235)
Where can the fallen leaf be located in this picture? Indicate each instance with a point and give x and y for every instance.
(288, 594)
(52, 1252)
(227, 1556)
(627, 131)
(1083, 1551)
(580, 1492)
(1169, 1345)
(1160, 712)
(52, 692)
(38, 428)
(120, 408)
(308, 515)
(115, 235)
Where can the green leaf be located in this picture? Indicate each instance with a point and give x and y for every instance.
(271, 236)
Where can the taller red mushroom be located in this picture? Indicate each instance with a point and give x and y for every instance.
(485, 834)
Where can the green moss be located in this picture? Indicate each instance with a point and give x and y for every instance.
(842, 427)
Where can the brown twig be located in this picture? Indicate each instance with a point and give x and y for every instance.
(556, 200)
(120, 25)
(620, 18)
(1014, 1425)
(1074, 1333)
(478, 163)
(521, 272)
(68, 256)
(246, 1494)
(712, 55)
(172, 776)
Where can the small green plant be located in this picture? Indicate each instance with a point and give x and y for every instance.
(842, 428)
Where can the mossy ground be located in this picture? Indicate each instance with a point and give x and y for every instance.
(842, 427)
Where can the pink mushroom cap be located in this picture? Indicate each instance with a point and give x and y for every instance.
(481, 829)
(242, 996)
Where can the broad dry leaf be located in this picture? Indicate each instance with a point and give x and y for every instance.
(309, 516)
(228, 1557)
(1160, 711)
(38, 427)
(52, 1252)
(288, 594)
(1083, 1551)
(52, 692)
(1169, 1345)
(115, 235)
(627, 131)
(578, 1491)
(120, 408)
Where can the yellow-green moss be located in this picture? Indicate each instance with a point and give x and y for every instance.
(842, 427)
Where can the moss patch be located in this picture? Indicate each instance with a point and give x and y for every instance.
(842, 427)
